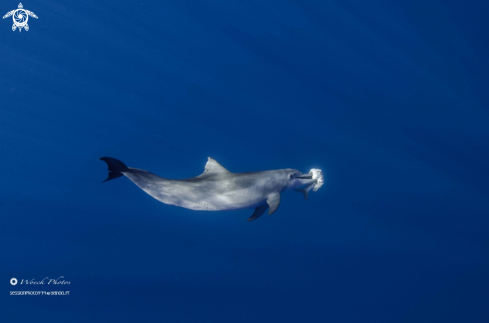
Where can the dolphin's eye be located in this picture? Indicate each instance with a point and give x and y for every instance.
(291, 176)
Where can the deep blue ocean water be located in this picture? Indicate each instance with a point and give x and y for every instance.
(389, 99)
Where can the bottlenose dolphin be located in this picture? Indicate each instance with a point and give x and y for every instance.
(217, 188)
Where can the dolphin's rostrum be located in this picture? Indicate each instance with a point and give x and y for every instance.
(217, 188)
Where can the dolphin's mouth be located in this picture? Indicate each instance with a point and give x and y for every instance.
(314, 179)
(305, 179)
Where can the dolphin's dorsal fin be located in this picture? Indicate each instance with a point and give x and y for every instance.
(213, 168)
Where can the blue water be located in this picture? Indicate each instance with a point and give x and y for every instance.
(388, 98)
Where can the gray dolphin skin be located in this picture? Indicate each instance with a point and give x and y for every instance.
(217, 189)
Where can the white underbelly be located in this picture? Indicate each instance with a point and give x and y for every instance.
(220, 203)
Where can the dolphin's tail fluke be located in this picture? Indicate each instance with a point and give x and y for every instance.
(116, 168)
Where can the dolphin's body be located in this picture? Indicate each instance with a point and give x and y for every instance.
(217, 188)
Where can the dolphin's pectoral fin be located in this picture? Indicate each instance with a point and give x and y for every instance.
(273, 202)
(258, 212)
(213, 167)
(305, 190)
